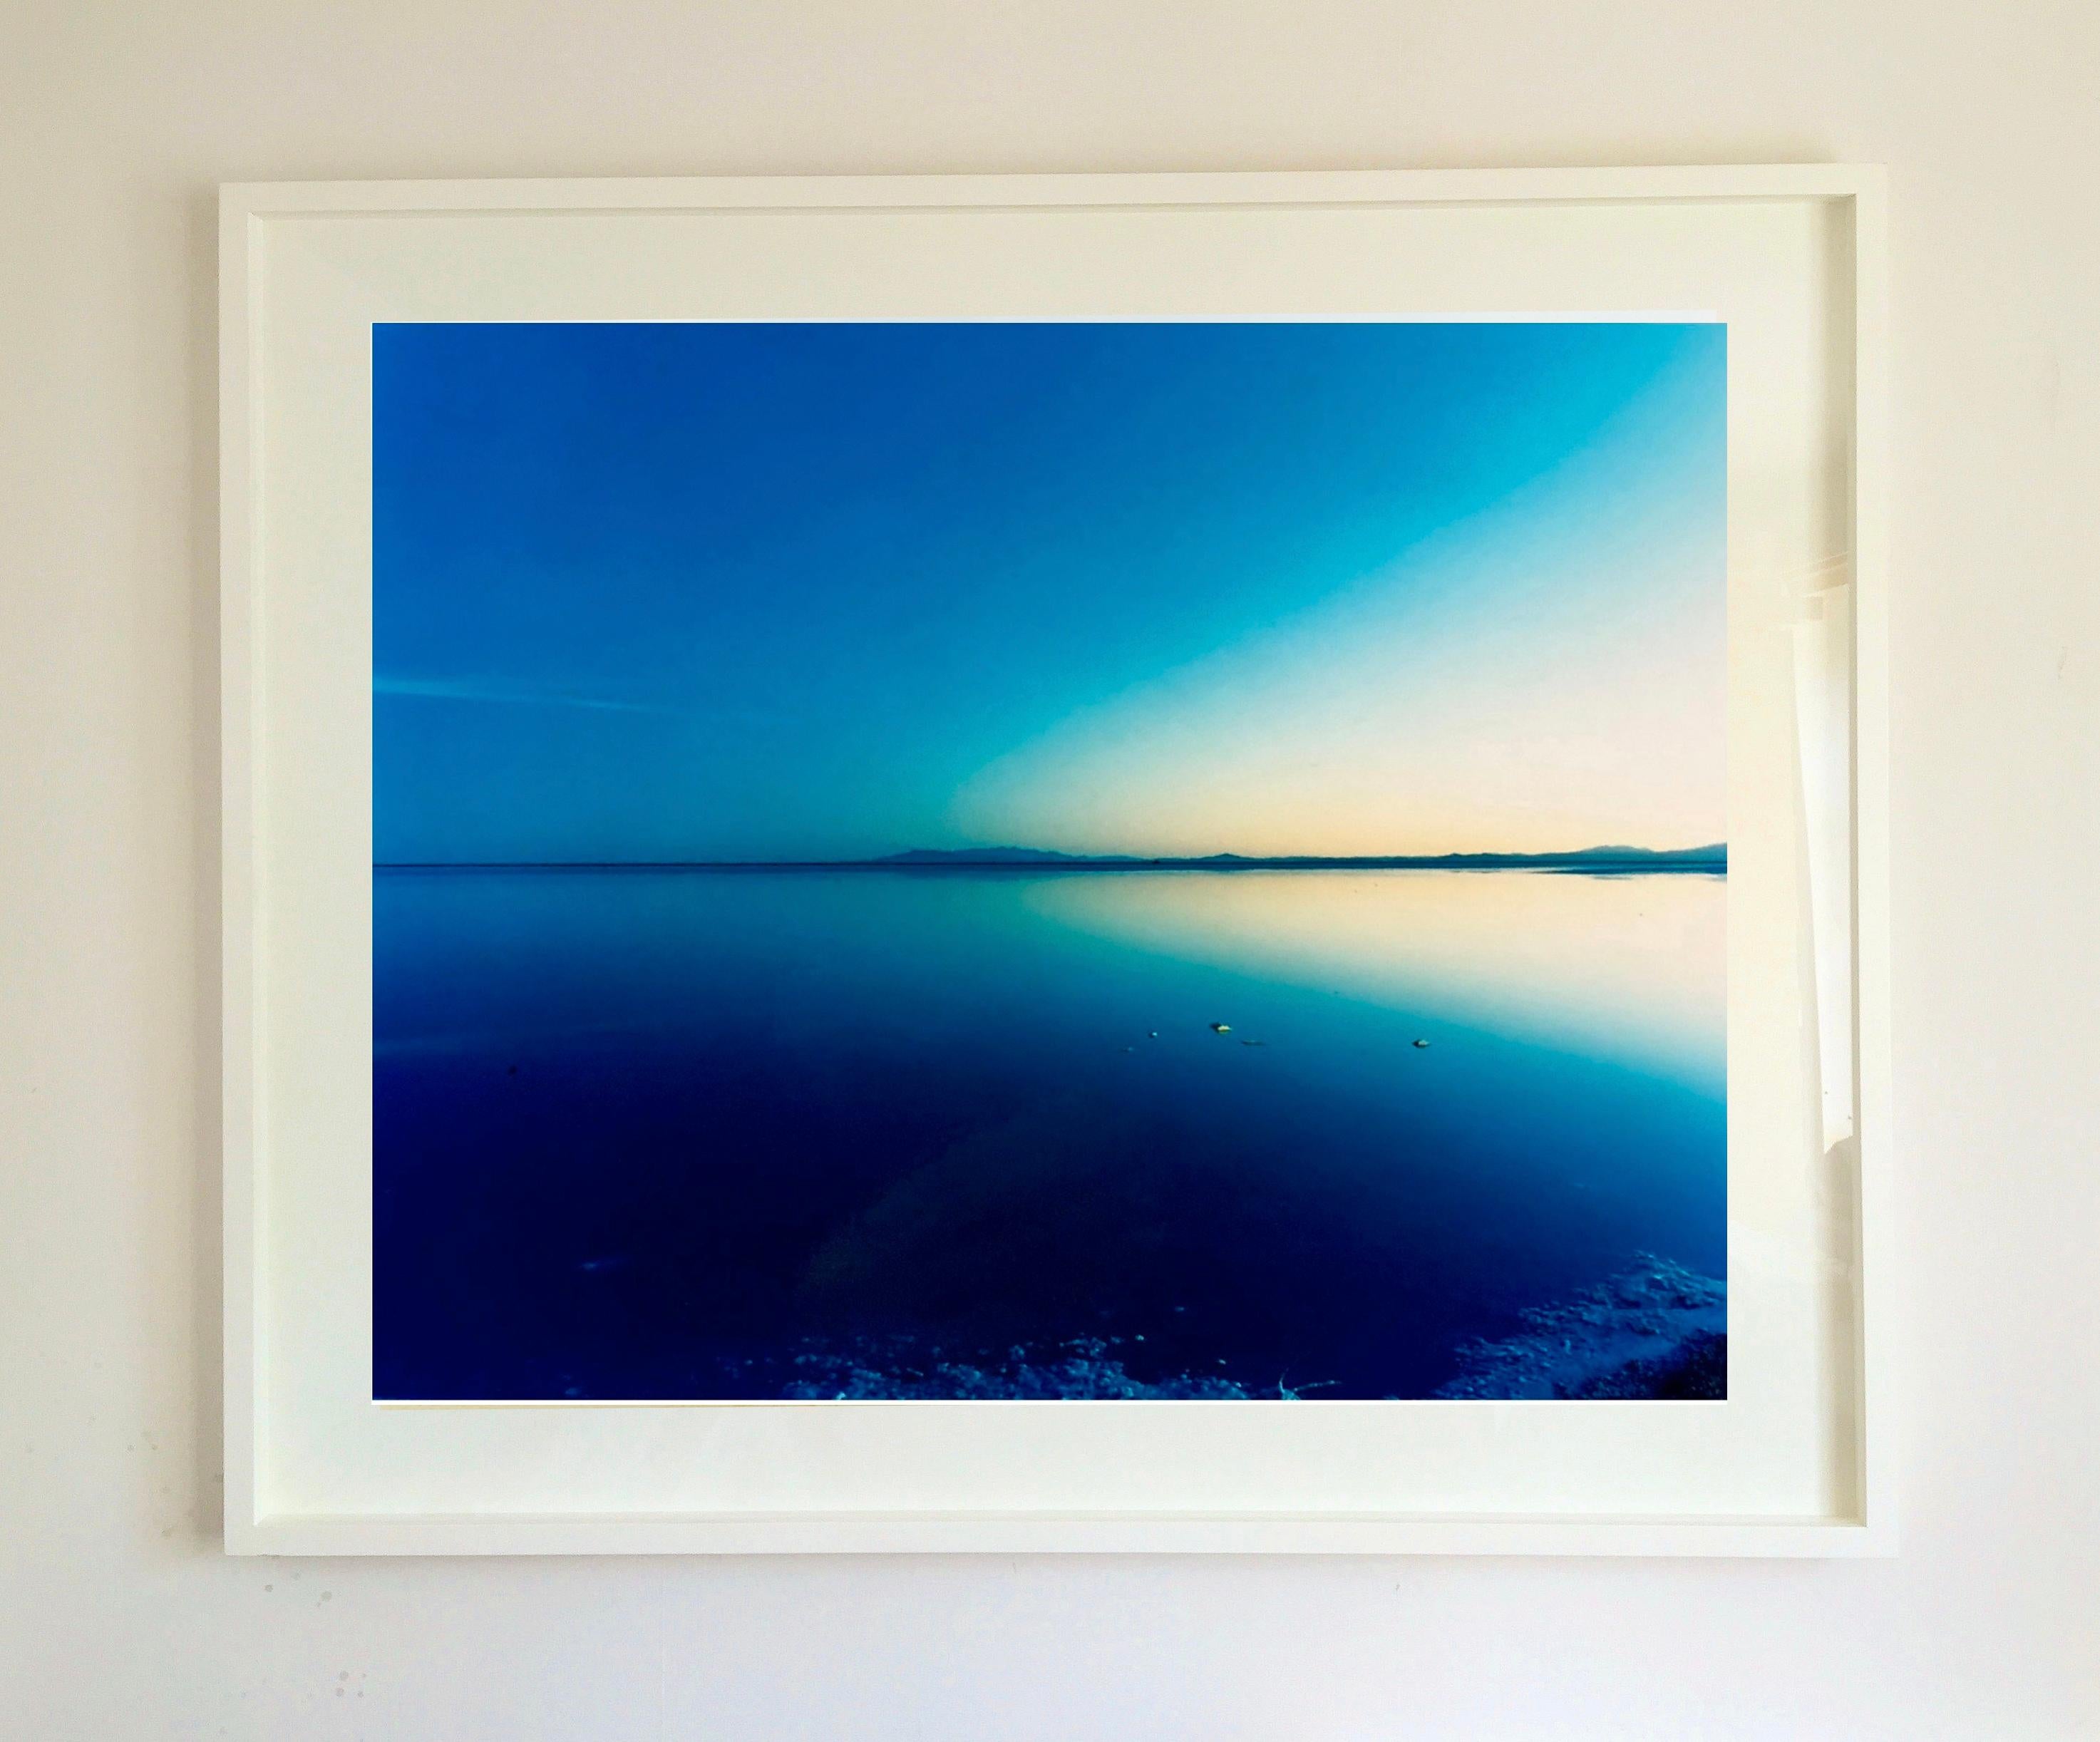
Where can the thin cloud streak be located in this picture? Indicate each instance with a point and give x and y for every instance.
(478, 689)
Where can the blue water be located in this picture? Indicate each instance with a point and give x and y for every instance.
(723, 1134)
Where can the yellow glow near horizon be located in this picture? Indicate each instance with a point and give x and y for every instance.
(1485, 694)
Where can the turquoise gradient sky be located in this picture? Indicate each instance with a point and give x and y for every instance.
(781, 592)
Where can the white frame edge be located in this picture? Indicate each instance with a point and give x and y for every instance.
(240, 896)
(250, 1531)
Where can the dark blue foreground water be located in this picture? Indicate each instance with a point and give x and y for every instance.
(652, 1134)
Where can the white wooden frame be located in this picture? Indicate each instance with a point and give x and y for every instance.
(1855, 197)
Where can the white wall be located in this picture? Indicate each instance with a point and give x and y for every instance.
(118, 1616)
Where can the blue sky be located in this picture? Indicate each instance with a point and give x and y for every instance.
(778, 592)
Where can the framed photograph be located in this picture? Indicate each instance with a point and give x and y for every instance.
(1154, 863)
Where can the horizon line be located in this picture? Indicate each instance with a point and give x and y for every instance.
(1025, 858)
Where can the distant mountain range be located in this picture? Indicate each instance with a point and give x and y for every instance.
(1708, 858)
(1597, 859)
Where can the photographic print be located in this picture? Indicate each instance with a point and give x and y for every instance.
(1049, 862)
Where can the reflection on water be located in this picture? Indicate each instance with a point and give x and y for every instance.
(952, 1132)
(1625, 968)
